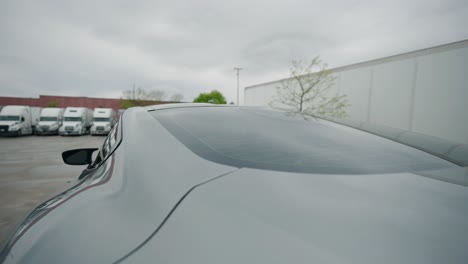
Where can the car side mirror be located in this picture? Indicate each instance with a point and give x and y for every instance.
(78, 156)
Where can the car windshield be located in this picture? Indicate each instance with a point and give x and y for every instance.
(48, 118)
(272, 140)
(101, 119)
(9, 118)
(75, 119)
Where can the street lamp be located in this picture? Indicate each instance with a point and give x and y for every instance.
(238, 69)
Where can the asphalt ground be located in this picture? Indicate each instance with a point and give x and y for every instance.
(32, 171)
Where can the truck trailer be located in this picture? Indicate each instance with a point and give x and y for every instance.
(76, 121)
(15, 120)
(50, 121)
(35, 114)
(103, 121)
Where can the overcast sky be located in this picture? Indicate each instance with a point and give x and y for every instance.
(100, 48)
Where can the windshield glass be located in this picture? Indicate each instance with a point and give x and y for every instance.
(75, 119)
(272, 140)
(101, 119)
(48, 118)
(9, 118)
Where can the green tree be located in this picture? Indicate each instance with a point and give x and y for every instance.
(52, 103)
(214, 97)
(307, 92)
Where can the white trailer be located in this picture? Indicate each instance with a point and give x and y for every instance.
(50, 121)
(15, 120)
(76, 121)
(35, 115)
(103, 121)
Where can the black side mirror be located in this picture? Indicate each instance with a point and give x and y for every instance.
(78, 156)
(22, 119)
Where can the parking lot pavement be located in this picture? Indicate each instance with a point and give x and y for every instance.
(32, 171)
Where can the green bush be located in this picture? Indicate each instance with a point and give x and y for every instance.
(214, 97)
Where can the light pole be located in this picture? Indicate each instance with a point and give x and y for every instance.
(238, 69)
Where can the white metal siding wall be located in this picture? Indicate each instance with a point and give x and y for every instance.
(391, 95)
(441, 98)
(423, 91)
(356, 84)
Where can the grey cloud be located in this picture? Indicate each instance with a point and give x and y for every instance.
(278, 50)
(99, 48)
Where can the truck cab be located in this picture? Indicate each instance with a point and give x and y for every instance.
(50, 121)
(15, 120)
(103, 121)
(76, 121)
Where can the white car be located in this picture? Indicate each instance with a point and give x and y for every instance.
(194, 183)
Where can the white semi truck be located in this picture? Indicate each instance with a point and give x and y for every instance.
(15, 120)
(76, 121)
(103, 121)
(50, 121)
(35, 114)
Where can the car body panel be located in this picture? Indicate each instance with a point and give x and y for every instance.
(258, 216)
(154, 200)
(106, 221)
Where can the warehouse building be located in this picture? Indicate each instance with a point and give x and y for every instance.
(424, 91)
(68, 101)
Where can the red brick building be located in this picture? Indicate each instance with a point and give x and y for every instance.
(68, 101)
